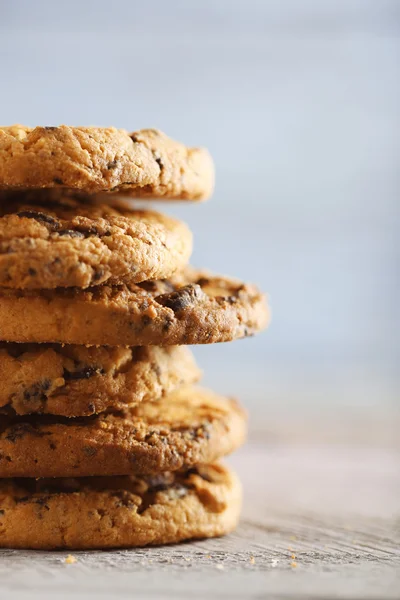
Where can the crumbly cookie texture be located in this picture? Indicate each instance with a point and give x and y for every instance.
(75, 381)
(193, 307)
(188, 427)
(114, 512)
(145, 163)
(70, 242)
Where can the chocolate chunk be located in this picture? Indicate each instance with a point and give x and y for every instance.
(182, 298)
(39, 216)
(18, 431)
(160, 163)
(37, 392)
(98, 274)
(92, 230)
(149, 435)
(82, 374)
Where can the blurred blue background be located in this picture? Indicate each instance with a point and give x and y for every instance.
(298, 102)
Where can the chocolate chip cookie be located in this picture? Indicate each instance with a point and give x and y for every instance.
(114, 512)
(75, 381)
(93, 159)
(188, 427)
(75, 243)
(193, 307)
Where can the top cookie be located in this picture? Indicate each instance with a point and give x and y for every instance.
(143, 164)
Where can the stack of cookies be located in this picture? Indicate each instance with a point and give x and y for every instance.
(105, 440)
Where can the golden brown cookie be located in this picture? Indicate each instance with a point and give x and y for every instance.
(75, 243)
(188, 427)
(114, 512)
(93, 159)
(75, 381)
(193, 307)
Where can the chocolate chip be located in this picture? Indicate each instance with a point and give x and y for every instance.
(98, 274)
(2, 512)
(58, 181)
(50, 128)
(18, 431)
(37, 392)
(182, 298)
(112, 165)
(133, 138)
(82, 374)
(149, 436)
(32, 272)
(160, 163)
(39, 216)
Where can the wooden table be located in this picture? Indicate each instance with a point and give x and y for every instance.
(320, 520)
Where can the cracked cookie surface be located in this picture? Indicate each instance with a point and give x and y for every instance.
(145, 163)
(188, 427)
(192, 307)
(113, 512)
(70, 242)
(74, 381)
